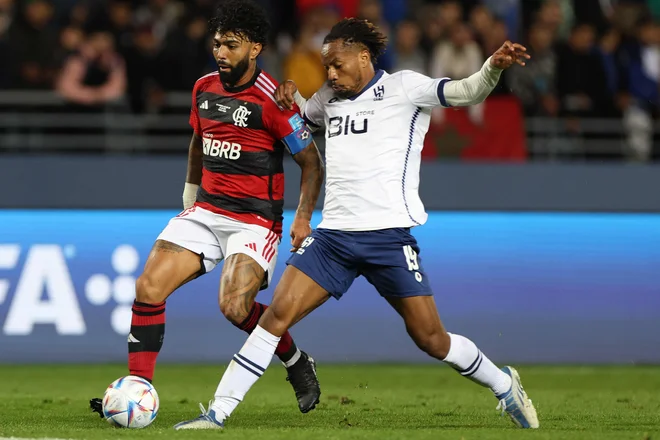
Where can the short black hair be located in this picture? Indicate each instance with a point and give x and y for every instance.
(243, 18)
(356, 31)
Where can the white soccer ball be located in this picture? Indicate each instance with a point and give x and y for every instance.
(130, 402)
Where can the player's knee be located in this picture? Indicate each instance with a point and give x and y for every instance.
(277, 318)
(434, 342)
(147, 290)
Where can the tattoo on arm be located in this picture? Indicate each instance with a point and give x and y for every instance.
(311, 179)
(195, 160)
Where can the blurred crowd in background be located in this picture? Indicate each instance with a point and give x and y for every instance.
(591, 58)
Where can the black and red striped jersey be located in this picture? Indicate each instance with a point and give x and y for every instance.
(244, 134)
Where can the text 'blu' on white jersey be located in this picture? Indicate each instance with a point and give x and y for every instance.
(373, 149)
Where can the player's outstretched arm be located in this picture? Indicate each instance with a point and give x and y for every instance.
(476, 88)
(194, 174)
(311, 179)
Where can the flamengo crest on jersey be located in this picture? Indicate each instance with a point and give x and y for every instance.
(244, 134)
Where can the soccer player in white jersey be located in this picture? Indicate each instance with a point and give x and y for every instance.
(375, 125)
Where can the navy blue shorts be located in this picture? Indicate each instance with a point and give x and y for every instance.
(388, 259)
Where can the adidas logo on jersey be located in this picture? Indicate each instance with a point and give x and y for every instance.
(204, 105)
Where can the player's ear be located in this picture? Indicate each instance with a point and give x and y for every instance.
(365, 58)
(256, 50)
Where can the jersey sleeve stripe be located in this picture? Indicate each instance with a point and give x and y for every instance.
(441, 92)
(265, 86)
(263, 78)
(270, 95)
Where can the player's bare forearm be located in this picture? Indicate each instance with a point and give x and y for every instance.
(311, 180)
(195, 157)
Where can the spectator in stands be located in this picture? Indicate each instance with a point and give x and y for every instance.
(185, 55)
(161, 16)
(303, 65)
(644, 81)
(458, 57)
(509, 12)
(581, 78)
(493, 38)
(558, 16)
(481, 22)
(451, 14)
(535, 84)
(430, 21)
(79, 15)
(70, 41)
(6, 18)
(372, 10)
(120, 23)
(32, 42)
(408, 54)
(96, 75)
(7, 11)
(616, 73)
(144, 72)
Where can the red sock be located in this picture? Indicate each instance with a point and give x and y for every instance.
(146, 338)
(285, 349)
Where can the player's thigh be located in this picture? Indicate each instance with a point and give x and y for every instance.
(251, 249)
(184, 250)
(296, 295)
(393, 265)
(326, 257)
(168, 267)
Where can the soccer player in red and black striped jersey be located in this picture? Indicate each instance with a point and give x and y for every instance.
(233, 199)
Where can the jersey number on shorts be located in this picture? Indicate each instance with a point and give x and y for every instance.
(411, 259)
(306, 242)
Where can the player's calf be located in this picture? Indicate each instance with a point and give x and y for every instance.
(168, 267)
(241, 280)
(301, 369)
(425, 328)
(433, 341)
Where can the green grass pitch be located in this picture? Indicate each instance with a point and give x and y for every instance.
(358, 402)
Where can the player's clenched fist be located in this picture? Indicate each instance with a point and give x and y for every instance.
(300, 229)
(284, 94)
(508, 55)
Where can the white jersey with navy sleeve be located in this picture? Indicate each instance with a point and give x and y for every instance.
(373, 150)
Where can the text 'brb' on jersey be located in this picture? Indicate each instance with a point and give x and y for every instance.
(244, 134)
(373, 149)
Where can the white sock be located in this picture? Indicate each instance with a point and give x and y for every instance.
(293, 359)
(466, 358)
(243, 371)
